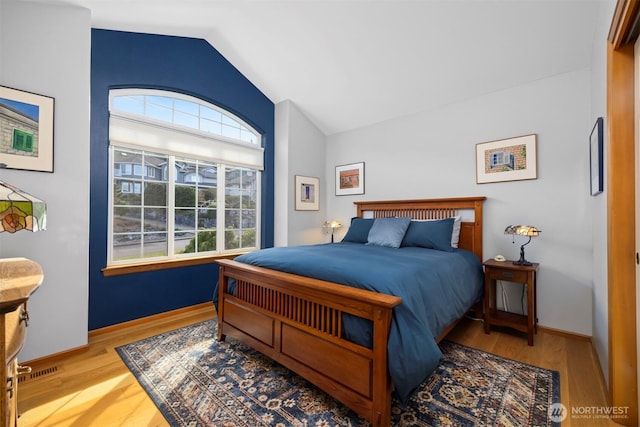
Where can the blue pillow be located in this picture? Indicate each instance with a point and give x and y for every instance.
(388, 231)
(358, 230)
(430, 234)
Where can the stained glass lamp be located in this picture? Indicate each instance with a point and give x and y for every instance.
(332, 224)
(522, 230)
(20, 210)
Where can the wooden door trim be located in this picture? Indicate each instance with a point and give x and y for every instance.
(620, 187)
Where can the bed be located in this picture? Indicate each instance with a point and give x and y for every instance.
(307, 323)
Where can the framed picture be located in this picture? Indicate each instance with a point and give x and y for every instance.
(350, 179)
(307, 193)
(26, 130)
(509, 159)
(596, 147)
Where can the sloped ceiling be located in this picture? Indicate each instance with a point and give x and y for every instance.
(348, 64)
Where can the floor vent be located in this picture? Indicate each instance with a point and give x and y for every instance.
(37, 374)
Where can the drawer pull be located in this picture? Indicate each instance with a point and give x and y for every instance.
(24, 317)
(10, 387)
(507, 274)
(23, 370)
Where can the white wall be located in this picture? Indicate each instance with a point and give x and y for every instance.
(432, 154)
(598, 204)
(1, 57)
(46, 49)
(300, 150)
(282, 196)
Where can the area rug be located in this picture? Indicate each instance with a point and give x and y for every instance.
(197, 381)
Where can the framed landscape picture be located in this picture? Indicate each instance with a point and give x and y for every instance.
(509, 159)
(350, 179)
(26, 130)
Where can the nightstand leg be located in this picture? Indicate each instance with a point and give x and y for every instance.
(531, 311)
(535, 302)
(488, 296)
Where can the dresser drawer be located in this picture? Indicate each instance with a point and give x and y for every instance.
(507, 275)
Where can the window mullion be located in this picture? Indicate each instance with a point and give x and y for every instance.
(171, 201)
(142, 205)
(220, 222)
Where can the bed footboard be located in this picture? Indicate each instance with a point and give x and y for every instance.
(297, 321)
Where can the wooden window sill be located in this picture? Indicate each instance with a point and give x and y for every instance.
(117, 270)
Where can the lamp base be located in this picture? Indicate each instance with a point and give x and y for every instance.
(522, 260)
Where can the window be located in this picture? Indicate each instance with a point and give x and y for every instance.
(183, 113)
(502, 158)
(22, 141)
(185, 178)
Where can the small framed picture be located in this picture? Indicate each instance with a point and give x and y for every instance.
(350, 179)
(26, 130)
(511, 159)
(596, 157)
(307, 193)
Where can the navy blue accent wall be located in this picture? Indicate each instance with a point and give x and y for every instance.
(186, 65)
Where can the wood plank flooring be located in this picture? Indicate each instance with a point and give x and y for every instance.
(95, 388)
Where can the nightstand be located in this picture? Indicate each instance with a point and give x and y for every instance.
(509, 272)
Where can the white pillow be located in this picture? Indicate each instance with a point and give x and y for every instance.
(455, 234)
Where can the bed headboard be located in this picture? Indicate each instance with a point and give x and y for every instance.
(470, 230)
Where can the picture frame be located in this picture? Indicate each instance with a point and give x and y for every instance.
(596, 158)
(510, 159)
(26, 130)
(350, 179)
(307, 193)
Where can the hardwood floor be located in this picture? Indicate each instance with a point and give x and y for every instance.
(95, 388)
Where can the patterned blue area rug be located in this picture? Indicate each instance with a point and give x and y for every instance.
(196, 381)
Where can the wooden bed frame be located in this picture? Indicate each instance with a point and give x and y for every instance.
(297, 321)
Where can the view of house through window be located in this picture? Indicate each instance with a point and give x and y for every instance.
(180, 189)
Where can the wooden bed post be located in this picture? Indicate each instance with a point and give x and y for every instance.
(382, 381)
(223, 283)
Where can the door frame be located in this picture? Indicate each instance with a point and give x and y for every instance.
(621, 214)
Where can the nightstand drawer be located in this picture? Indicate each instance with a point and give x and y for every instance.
(508, 275)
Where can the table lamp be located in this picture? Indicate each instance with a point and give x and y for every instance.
(522, 230)
(20, 210)
(333, 225)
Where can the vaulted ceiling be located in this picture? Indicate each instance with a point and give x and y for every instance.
(348, 64)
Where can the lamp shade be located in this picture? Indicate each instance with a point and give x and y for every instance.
(522, 230)
(332, 224)
(20, 210)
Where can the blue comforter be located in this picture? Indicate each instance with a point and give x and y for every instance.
(436, 288)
